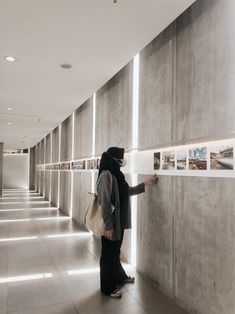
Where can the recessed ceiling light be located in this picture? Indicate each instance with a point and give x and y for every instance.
(9, 108)
(10, 59)
(9, 123)
(9, 134)
(66, 66)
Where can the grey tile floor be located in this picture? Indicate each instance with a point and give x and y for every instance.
(48, 265)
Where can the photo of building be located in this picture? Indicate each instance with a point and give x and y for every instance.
(181, 157)
(221, 157)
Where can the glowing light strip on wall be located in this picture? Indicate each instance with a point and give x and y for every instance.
(58, 199)
(93, 139)
(135, 139)
(50, 171)
(72, 153)
(44, 174)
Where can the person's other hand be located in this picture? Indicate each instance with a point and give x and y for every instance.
(151, 180)
(108, 234)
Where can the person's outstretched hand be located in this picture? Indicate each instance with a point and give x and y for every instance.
(151, 180)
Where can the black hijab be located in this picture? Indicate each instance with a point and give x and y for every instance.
(108, 162)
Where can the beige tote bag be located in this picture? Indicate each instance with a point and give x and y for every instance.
(93, 218)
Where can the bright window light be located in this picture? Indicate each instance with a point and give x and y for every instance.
(17, 239)
(26, 278)
(83, 271)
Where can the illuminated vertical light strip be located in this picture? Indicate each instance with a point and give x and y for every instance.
(28, 169)
(135, 104)
(44, 177)
(135, 139)
(58, 197)
(71, 171)
(93, 139)
(50, 169)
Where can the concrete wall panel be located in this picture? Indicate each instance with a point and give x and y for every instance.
(66, 140)
(55, 145)
(48, 149)
(54, 188)
(65, 194)
(156, 91)
(83, 130)
(155, 233)
(204, 244)
(47, 184)
(205, 71)
(82, 185)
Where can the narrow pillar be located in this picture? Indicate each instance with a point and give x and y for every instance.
(1, 167)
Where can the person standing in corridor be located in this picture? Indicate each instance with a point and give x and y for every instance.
(114, 193)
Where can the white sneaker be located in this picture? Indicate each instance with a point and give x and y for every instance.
(116, 294)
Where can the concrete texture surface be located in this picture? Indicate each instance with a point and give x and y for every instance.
(55, 145)
(83, 126)
(66, 140)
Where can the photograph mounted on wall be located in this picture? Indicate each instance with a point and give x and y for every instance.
(168, 160)
(181, 159)
(156, 160)
(221, 157)
(77, 165)
(198, 158)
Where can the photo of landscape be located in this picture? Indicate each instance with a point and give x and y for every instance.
(198, 158)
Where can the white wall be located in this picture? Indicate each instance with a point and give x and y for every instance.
(15, 171)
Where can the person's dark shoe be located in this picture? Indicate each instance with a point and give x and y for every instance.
(129, 279)
(116, 294)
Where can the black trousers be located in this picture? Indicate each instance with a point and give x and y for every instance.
(111, 270)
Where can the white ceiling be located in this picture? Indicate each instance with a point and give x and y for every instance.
(97, 37)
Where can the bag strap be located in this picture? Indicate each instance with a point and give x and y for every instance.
(111, 182)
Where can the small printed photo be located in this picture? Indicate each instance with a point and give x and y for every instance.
(90, 164)
(221, 157)
(84, 164)
(168, 160)
(77, 165)
(181, 157)
(156, 160)
(198, 158)
(98, 164)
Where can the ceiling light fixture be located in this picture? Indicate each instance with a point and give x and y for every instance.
(9, 108)
(10, 59)
(9, 123)
(66, 66)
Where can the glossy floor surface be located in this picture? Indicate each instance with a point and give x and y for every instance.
(48, 265)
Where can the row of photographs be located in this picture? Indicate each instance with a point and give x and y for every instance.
(88, 164)
(218, 157)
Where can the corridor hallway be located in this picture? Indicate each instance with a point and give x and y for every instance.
(48, 265)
